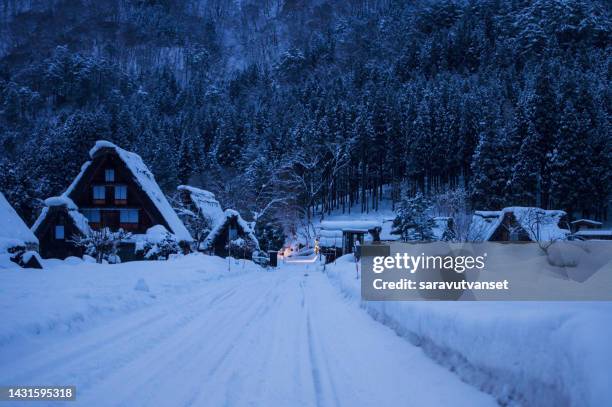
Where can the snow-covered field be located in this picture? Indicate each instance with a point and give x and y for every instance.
(68, 296)
(205, 336)
(525, 353)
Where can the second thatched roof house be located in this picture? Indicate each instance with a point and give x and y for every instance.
(518, 224)
(199, 210)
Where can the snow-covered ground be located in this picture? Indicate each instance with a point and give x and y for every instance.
(68, 296)
(524, 353)
(190, 332)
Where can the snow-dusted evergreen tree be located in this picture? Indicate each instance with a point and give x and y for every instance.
(413, 220)
(570, 170)
(531, 176)
(270, 234)
(16, 186)
(489, 171)
(314, 99)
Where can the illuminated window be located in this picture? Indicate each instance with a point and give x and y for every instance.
(128, 216)
(99, 192)
(59, 232)
(121, 192)
(109, 175)
(92, 215)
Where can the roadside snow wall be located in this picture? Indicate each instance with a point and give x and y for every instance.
(523, 353)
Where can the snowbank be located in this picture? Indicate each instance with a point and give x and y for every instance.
(524, 353)
(72, 294)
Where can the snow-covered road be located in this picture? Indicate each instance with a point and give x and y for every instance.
(283, 338)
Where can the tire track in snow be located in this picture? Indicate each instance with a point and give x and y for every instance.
(321, 378)
(267, 301)
(183, 347)
(189, 350)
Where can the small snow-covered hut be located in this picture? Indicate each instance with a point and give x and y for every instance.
(18, 245)
(518, 224)
(58, 224)
(116, 190)
(342, 234)
(585, 224)
(232, 236)
(589, 229)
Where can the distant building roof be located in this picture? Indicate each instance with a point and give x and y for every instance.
(587, 221)
(350, 225)
(594, 232)
(539, 224)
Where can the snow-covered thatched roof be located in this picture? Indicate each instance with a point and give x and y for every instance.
(484, 224)
(205, 203)
(80, 221)
(228, 214)
(590, 222)
(330, 231)
(145, 179)
(594, 233)
(539, 224)
(330, 238)
(13, 231)
(350, 225)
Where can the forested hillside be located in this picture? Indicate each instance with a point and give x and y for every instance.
(292, 104)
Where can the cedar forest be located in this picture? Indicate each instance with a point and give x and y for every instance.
(284, 108)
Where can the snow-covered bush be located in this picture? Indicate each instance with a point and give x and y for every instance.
(102, 244)
(158, 244)
(261, 258)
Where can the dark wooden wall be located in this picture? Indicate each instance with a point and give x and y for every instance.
(51, 247)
